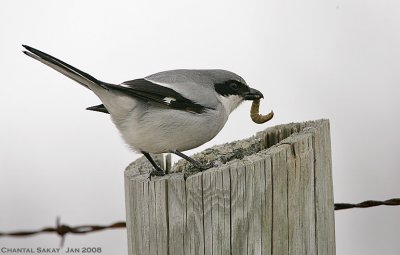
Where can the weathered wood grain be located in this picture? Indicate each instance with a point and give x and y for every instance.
(225, 214)
(276, 198)
(216, 199)
(194, 215)
(324, 190)
(208, 191)
(280, 224)
(301, 196)
(161, 206)
(238, 215)
(176, 201)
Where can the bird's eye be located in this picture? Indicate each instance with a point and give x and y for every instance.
(234, 86)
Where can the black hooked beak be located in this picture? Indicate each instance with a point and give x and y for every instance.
(253, 94)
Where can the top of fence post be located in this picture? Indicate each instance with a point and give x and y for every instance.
(269, 194)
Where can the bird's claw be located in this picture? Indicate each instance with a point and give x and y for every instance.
(203, 167)
(156, 173)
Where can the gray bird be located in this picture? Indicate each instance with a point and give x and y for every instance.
(166, 112)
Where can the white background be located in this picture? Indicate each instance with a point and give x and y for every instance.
(311, 59)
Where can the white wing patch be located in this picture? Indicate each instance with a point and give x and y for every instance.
(124, 85)
(168, 100)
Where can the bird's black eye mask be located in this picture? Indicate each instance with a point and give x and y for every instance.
(231, 87)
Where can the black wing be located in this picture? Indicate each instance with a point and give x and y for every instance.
(152, 92)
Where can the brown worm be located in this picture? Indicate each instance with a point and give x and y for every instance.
(256, 116)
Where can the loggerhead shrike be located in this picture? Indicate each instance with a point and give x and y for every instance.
(166, 112)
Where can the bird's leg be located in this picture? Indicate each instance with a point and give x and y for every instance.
(157, 170)
(192, 161)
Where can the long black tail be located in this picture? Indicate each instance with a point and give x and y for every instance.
(71, 72)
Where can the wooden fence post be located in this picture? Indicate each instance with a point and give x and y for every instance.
(276, 199)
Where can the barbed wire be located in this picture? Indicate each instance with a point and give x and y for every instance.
(62, 230)
(367, 204)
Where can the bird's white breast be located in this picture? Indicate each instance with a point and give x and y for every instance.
(161, 130)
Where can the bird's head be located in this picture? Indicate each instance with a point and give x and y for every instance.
(233, 89)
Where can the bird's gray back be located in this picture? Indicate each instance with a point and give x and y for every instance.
(196, 85)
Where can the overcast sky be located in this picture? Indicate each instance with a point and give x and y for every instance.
(311, 59)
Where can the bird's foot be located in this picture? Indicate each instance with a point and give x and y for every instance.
(195, 163)
(203, 167)
(156, 173)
